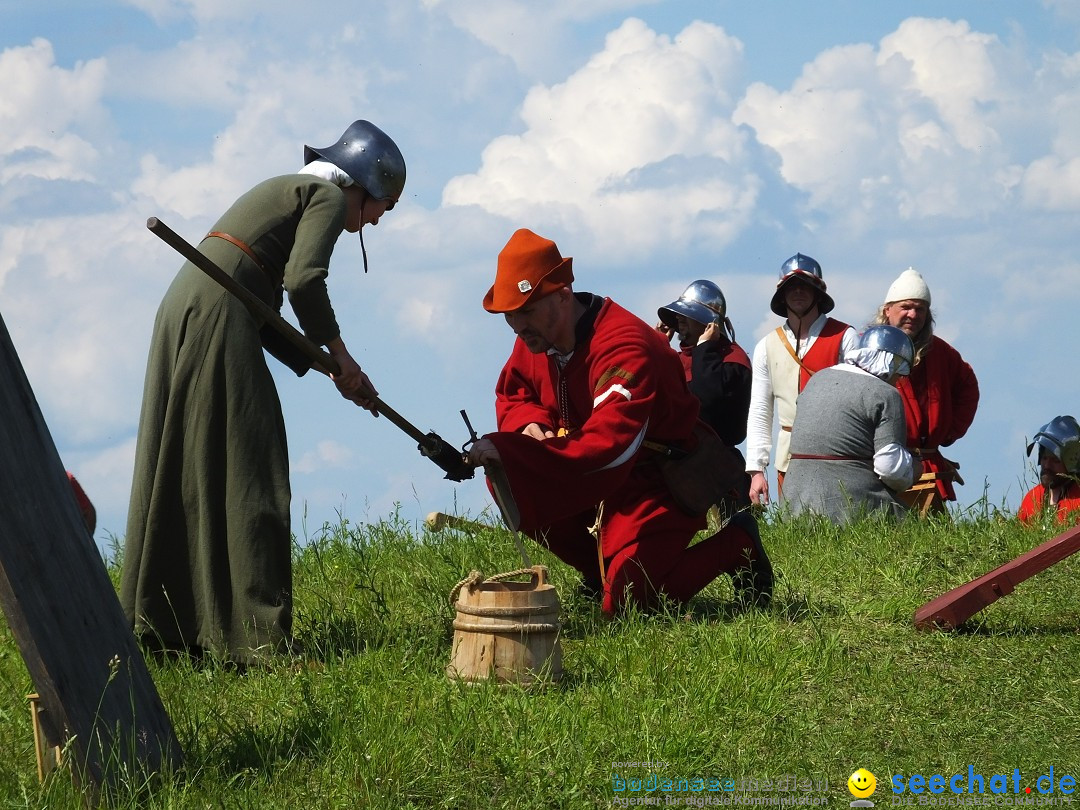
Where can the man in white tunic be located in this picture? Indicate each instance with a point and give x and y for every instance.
(784, 360)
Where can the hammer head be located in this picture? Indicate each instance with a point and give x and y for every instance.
(436, 521)
(452, 461)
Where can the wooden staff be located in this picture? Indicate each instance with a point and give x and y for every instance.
(431, 444)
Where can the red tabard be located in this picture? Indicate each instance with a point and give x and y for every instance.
(826, 351)
(733, 354)
(940, 398)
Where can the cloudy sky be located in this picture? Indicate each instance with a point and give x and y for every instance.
(656, 142)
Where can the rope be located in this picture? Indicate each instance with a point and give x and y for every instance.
(476, 578)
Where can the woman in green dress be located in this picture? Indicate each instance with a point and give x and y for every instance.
(207, 558)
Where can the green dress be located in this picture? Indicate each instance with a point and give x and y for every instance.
(208, 551)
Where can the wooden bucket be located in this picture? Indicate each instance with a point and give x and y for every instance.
(507, 632)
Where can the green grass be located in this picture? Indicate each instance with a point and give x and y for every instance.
(831, 678)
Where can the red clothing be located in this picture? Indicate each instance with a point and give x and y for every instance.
(940, 398)
(1068, 507)
(828, 350)
(622, 384)
(86, 508)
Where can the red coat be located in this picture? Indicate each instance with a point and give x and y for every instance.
(623, 384)
(1067, 508)
(940, 398)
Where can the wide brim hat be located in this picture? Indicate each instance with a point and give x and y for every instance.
(825, 302)
(529, 267)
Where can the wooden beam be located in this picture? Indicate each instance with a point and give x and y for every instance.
(96, 693)
(953, 608)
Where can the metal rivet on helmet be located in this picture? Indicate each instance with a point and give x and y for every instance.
(369, 157)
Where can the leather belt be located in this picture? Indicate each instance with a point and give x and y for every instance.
(786, 428)
(249, 252)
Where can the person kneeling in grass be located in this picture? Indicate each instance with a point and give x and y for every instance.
(848, 453)
(588, 393)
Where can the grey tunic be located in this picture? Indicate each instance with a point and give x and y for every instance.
(208, 550)
(843, 414)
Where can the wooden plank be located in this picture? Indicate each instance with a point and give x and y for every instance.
(95, 690)
(953, 608)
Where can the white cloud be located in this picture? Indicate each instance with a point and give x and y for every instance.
(45, 111)
(514, 29)
(634, 150)
(1053, 184)
(83, 301)
(910, 129)
(327, 454)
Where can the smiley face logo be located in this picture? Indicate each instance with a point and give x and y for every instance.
(862, 784)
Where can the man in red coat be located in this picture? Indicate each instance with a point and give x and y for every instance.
(1058, 492)
(940, 395)
(588, 391)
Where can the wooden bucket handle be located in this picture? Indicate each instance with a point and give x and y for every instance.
(539, 574)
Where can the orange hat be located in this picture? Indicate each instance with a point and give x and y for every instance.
(529, 266)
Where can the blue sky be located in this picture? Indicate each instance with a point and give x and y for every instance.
(656, 142)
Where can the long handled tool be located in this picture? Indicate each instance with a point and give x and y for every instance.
(453, 462)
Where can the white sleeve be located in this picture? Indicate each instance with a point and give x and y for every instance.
(893, 465)
(760, 419)
(849, 343)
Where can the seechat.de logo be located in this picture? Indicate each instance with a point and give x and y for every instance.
(996, 783)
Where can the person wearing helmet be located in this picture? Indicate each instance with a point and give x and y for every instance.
(1058, 490)
(940, 395)
(717, 369)
(588, 405)
(784, 360)
(207, 556)
(848, 455)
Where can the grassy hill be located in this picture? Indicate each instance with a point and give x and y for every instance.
(722, 705)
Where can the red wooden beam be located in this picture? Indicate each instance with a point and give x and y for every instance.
(953, 608)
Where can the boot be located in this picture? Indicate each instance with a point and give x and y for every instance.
(753, 581)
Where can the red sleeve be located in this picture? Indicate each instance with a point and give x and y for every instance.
(524, 386)
(965, 397)
(1030, 505)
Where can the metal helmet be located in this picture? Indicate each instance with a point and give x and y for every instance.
(702, 301)
(1061, 437)
(885, 338)
(369, 157)
(806, 269)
